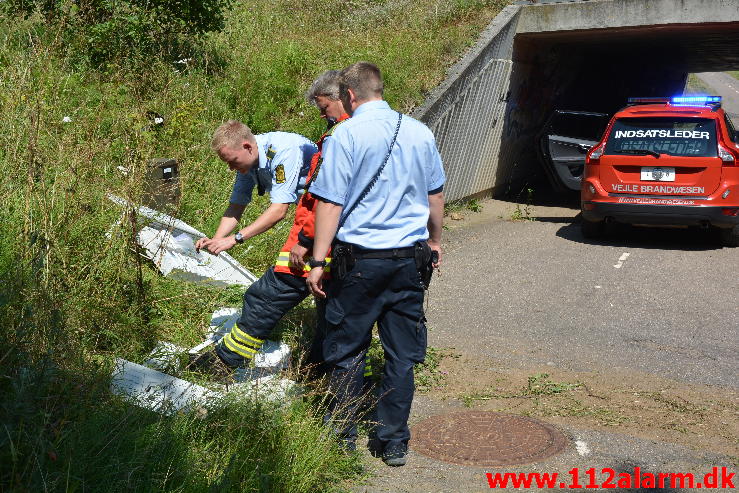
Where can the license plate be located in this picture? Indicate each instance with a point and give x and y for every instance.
(657, 174)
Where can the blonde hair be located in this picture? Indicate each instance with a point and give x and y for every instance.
(231, 133)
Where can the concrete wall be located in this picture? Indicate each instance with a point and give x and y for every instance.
(466, 113)
(589, 55)
(613, 14)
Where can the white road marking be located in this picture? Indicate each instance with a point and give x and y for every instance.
(621, 260)
(582, 447)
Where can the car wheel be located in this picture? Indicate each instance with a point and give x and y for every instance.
(730, 236)
(592, 229)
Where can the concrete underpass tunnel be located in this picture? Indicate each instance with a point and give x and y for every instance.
(597, 70)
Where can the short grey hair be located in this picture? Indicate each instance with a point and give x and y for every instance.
(326, 84)
(231, 134)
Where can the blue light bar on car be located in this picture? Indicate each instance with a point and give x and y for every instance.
(697, 100)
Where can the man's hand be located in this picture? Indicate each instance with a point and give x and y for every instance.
(297, 255)
(436, 247)
(315, 282)
(201, 244)
(435, 224)
(218, 245)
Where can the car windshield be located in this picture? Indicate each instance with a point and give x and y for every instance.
(695, 137)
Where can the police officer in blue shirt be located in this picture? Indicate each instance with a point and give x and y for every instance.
(278, 163)
(381, 198)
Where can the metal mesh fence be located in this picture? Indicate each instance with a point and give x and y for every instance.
(467, 113)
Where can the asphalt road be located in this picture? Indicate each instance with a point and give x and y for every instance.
(660, 301)
(653, 300)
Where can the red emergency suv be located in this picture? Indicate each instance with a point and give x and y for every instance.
(665, 161)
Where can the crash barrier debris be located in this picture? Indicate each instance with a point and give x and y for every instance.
(268, 388)
(158, 391)
(272, 358)
(165, 394)
(170, 244)
(272, 354)
(150, 386)
(166, 357)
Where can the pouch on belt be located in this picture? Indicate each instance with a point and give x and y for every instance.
(424, 262)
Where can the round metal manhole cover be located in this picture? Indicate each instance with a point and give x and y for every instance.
(487, 439)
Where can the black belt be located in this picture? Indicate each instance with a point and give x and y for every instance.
(407, 252)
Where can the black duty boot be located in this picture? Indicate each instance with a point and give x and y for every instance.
(395, 455)
(374, 446)
(210, 363)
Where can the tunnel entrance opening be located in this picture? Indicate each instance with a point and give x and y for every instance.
(574, 55)
(597, 71)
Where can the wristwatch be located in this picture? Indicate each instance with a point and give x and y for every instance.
(239, 237)
(316, 263)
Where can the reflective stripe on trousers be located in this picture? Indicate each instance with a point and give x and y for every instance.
(242, 343)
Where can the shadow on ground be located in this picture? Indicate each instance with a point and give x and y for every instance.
(547, 201)
(684, 239)
(540, 194)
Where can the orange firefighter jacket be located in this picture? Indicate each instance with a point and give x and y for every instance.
(303, 229)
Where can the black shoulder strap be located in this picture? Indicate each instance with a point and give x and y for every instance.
(374, 179)
(263, 175)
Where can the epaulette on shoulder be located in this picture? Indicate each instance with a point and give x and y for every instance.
(271, 152)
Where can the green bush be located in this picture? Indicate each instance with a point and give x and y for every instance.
(127, 32)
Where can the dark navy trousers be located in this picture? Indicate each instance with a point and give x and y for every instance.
(389, 292)
(265, 303)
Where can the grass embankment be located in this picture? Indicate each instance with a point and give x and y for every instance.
(72, 298)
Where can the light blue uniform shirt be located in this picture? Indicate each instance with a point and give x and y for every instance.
(395, 212)
(287, 156)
